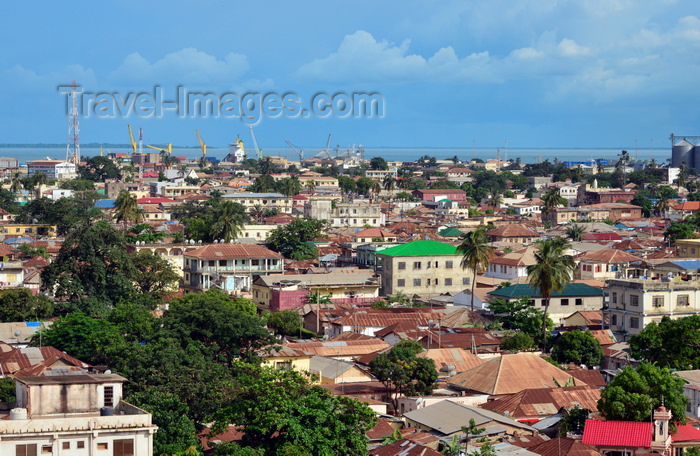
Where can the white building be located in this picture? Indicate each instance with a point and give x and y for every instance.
(54, 169)
(76, 415)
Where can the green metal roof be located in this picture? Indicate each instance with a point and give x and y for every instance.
(420, 248)
(450, 232)
(523, 289)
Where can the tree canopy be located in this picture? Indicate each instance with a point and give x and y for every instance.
(578, 347)
(293, 239)
(669, 343)
(634, 392)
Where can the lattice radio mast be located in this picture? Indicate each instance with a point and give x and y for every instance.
(73, 153)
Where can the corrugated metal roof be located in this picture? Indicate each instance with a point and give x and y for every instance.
(571, 289)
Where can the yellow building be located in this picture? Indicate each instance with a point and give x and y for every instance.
(19, 229)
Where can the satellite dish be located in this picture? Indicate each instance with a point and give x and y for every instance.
(657, 423)
(419, 401)
(108, 371)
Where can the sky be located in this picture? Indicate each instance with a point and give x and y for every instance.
(441, 73)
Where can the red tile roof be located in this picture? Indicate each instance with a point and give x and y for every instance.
(617, 433)
(513, 231)
(232, 251)
(600, 237)
(685, 433)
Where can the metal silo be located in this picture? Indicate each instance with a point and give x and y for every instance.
(686, 152)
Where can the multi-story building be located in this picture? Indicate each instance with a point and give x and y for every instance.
(592, 194)
(593, 212)
(459, 175)
(321, 183)
(28, 229)
(423, 268)
(381, 174)
(54, 169)
(356, 214)
(231, 267)
(427, 194)
(634, 303)
(575, 296)
(76, 415)
(265, 200)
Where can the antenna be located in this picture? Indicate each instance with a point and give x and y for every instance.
(140, 140)
(73, 154)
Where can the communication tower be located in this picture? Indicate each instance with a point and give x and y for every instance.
(73, 145)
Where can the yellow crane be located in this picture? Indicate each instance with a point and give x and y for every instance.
(201, 144)
(131, 138)
(169, 150)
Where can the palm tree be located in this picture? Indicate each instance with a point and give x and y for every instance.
(476, 253)
(389, 183)
(376, 188)
(495, 199)
(16, 183)
(40, 178)
(550, 200)
(229, 225)
(551, 273)
(662, 205)
(574, 231)
(310, 186)
(203, 163)
(622, 162)
(257, 212)
(126, 209)
(405, 183)
(291, 186)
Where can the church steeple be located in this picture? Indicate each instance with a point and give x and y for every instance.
(661, 441)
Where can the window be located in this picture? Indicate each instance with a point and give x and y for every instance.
(436, 281)
(103, 446)
(614, 319)
(402, 265)
(683, 300)
(579, 301)
(634, 300)
(25, 450)
(634, 322)
(222, 262)
(614, 297)
(123, 447)
(46, 449)
(65, 445)
(212, 263)
(109, 396)
(531, 302)
(416, 282)
(448, 282)
(657, 301)
(448, 265)
(466, 280)
(284, 365)
(417, 265)
(428, 282)
(564, 302)
(401, 283)
(80, 445)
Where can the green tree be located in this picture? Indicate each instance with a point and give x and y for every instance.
(378, 163)
(402, 369)
(291, 186)
(99, 169)
(216, 321)
(153, 275)
(364, 184)
(292, 240)
(574, 421)
(574, 231)
(126, 209)
(176, 432)
(16, 182)
(680, 230)
(389, 183)
(517, 341)
(552, 271)
(89, 339)
(229, 224)
(669, 343)
(285, 322)
(476, 254)
(92, 265)
(22, 305)
(347, 184)
(7, 390)
(633, 393)
(293, 414)
(578, 347)
(550, 200)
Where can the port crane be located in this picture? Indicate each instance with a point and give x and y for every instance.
(258, 150)
(298, 150)
(131, 140)
(168, 151)
(201, 144)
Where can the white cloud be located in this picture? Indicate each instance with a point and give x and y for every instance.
(527, 53)
(23, 78)
(186, 66)
(569, 48)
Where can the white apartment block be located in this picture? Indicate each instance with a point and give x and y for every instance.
(75, 415)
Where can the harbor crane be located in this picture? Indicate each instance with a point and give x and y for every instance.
(168, 151)
(201, 144)
(258, 150)
(298, 150)
(131, 139)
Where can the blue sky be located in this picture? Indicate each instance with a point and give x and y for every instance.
(537, 73)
